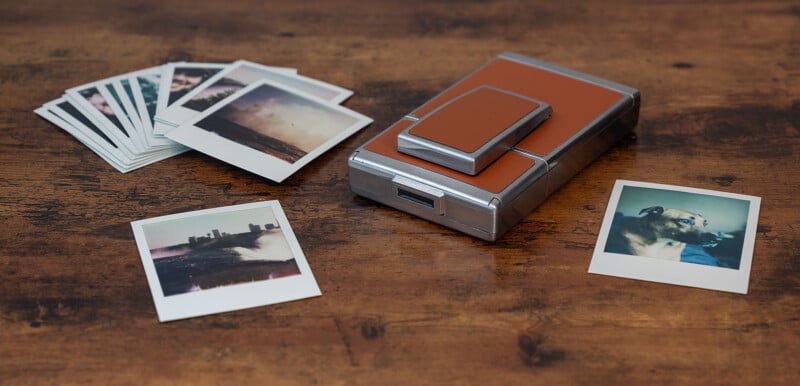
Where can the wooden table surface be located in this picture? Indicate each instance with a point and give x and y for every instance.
(403, 301)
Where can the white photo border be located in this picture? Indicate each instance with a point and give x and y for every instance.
(672, 272)
(232, 297)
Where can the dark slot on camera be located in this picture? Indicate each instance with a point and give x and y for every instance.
(411, 196)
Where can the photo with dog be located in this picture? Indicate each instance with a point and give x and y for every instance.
(667, 224)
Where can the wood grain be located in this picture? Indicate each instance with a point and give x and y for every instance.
(404, 301)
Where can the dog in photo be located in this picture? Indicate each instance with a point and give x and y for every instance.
(665, 233)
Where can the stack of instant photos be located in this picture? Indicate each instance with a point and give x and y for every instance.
(268, 120)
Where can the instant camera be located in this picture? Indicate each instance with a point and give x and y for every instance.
(486, 151)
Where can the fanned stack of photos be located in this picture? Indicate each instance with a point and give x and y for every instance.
(268, 120)
(114, 118)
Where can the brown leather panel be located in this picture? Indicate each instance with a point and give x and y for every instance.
(575, 103)
(494, 178)
(473, 119)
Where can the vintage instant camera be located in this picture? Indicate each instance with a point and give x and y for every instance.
(485, 152)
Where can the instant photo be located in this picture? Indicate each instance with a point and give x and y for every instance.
(124, 92)
(222, 259)
(269, 129)
(133, 103)
(678, 235)
(96, 105)
(177, 80)
(239, 75)
(145, 85)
